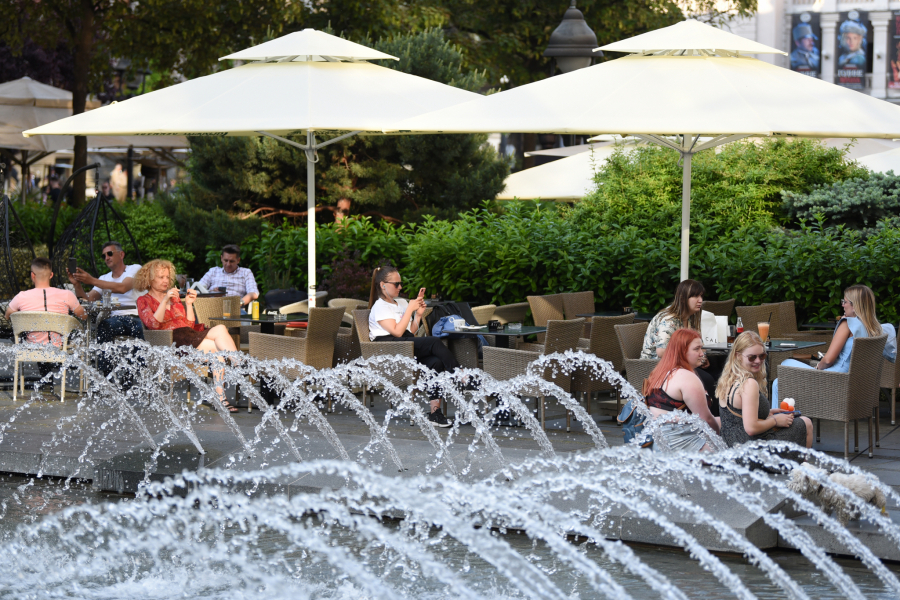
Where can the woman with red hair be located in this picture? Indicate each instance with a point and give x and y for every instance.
(673, 385)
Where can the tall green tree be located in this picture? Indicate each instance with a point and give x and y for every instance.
(400, 177)
(174, 36)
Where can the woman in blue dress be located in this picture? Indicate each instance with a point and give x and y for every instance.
(859, 320)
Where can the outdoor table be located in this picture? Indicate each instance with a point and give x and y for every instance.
(826, 326)
(503, 335)
(774, 346)
(266, 322)
(638, 316)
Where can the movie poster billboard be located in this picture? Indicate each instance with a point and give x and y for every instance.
(806, 34)
(894, 51)
(852, 49)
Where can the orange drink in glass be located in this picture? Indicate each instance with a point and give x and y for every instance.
(763, 331)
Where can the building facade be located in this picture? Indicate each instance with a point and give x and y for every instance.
(852, 43)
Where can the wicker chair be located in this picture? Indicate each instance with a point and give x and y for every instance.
(26, 321)
(505, 363)
(348, 304)
(346, 345)
(313, 346)
(841, 397)
(890, 379)
(546, 308)
(720, 308)
(370, 349)
(303, 305)
(631, 340)
(484, 313)
(511, 313)
(604, 344)
(782, 325)
(579, 303)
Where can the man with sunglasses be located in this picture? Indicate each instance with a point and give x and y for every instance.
(121, 323)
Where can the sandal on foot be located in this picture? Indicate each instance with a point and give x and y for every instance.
(225, 403)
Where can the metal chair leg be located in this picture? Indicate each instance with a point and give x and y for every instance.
(894, 405)
(543, 425)
(877, 417)
(568, 421)
(16, 379)
(856, 435)
(846, 440)
(871, 452)
(818, 430)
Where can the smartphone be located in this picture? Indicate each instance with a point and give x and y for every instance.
(796, 413)
(421, 292)
(73, 264)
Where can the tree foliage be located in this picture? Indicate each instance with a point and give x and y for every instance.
(858, 203)
(738, 186)
(402, 176)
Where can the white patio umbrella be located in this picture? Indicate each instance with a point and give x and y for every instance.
(680, 83)
(304, 82)
(566, 179)
(882, 162)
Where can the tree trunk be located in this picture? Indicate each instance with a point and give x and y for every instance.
(529, 143)
(84, 43)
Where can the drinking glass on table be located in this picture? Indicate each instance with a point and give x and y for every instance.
(763, 331)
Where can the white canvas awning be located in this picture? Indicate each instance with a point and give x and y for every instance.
(308, 83)
(683, 83)
(882, 162)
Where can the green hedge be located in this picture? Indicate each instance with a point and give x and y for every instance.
(858, 203)
(486, 257)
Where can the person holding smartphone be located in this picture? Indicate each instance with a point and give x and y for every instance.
(746, 412)
(391, 318)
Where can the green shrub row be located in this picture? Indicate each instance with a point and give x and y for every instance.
(858, 203)
(486, 257)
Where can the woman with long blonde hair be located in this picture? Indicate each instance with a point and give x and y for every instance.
(859, 320)
(744, 406)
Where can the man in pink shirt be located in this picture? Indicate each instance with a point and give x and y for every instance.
(44, 298)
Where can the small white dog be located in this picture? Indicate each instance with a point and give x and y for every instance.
(831, 500)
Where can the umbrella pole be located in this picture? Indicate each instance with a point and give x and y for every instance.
(311, 218)
(685, 212)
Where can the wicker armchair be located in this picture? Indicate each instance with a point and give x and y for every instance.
(631, 340)
(371, 349)
(26, 321)
(720, 308)
(484, 313)
(346, 345)
(603, 343)
(782, 325)
(209, 311)
(511, 313)
(890, 379)
(841, 397)
(547, 308)
(348, 304)
(579, 303)
(505, 363)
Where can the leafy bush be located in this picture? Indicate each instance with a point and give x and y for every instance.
(200, 230)
(36, 219)
(349, 278)
(155, 234)
(279, 253)
(858, 203)
(737, 186)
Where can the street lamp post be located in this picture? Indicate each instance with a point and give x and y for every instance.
(572, 44)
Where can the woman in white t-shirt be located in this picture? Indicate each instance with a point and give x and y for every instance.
(393, 319)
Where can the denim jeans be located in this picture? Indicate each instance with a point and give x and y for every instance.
(109, 329)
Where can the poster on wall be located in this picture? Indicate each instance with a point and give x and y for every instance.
(852, 45)
(894, 50)
(805, 54)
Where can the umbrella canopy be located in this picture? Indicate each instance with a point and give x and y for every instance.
(567, 179)
(305, 82)
(882, 162)
(686, 80)
(26, 104)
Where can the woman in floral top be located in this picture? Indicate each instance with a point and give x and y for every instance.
(683, 313)
(161, 309)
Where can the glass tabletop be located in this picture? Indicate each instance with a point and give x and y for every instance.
(638, 316)
(526, 330)
(774, 346)
(266, 318)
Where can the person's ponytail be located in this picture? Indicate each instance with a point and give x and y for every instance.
(373, 292)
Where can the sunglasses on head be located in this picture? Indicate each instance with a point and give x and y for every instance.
(106, 254)
(755, 357)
